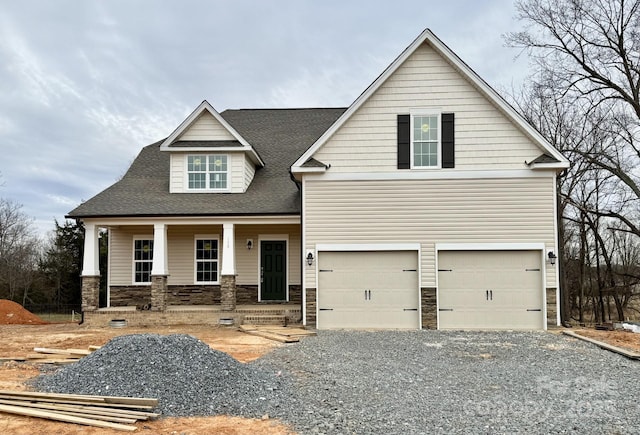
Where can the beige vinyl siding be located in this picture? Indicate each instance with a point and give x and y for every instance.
(428, 212)
(206, 127)
(247, 260)
(121, 255)
(177, 168)
(484, 137)
(238, 179)
(249, 172)
(181, 251)
(181, 247)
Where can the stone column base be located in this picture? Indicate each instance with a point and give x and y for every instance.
(552, 308)
(158, 292)
(310, 308)
(90, 292)
(228, 292)
(428, 299)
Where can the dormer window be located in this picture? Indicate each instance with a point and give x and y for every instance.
(207, 172)
(425, 140)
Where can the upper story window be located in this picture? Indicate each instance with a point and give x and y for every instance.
(207, 172)
(142, 260)
(425, 141)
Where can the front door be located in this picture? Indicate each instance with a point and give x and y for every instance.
(273, 270)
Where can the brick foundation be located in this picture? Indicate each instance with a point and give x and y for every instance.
(90, 293)
(228, 292)
(311, 307)
(552, 308)
(193, 295)
(428, 301)
(159, 292)
(295, 294)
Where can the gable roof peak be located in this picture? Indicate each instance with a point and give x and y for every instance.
(206, 107)
(427, 36)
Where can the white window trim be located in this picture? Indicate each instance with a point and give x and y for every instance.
(273, 238)
(426, 112)
(133, 259)
(207, 189)
(197, 237)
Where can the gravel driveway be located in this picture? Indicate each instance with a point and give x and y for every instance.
(455, 382)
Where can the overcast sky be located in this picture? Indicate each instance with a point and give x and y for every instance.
(85, 84)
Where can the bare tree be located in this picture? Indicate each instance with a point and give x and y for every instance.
(19, 250)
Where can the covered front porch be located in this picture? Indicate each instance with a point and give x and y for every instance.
(194, 271)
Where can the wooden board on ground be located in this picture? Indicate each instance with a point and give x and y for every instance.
(100, 411)
(624, 352)
(252, 330)
(44, 355)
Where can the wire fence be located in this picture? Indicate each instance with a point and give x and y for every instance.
(56, 312)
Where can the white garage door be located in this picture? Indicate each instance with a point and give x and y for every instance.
(490, 290)
(362, 290)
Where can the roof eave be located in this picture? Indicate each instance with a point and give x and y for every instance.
(558, 166)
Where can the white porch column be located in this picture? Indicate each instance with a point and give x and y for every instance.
(91, 256)
(228, 250)
(159, 250)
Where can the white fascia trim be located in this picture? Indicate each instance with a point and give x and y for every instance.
(559, 165)
(441, 174)
(308, 170)
(465, 70)
(165, 146)
(367, 247)
(303, 263)
(489, 247)
(197, 220)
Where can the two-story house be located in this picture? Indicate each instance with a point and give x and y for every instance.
(428, 203)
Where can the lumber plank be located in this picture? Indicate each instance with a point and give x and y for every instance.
(62, 351)
(12, 358)
(49, 356)
(247, 327)
(289, 332)
(84, 352)
(81, 402)
(53, 361)
(144, 401)
(624, 352)
(93, 347)
(274, 337)
(50, 415)
(85, 409)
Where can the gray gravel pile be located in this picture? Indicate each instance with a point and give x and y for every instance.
(457, 382)
(380, 382)
(185, 374)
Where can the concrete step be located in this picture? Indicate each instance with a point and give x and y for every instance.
(264, 319)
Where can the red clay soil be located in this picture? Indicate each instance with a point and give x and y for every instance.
(12, 313)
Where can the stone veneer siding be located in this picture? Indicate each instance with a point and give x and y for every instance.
(552, 308)
(159, 292)
(228, 292)
(140, 295)
(311, 307)
(429, 308)
(90, 293)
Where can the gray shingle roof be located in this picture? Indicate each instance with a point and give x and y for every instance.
(543, 158)
(280, 136)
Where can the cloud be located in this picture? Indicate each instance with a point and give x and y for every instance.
(85, 84)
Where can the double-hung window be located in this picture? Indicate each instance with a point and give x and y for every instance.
(425, 141)
(142, 260)
(206, 254)
(207, 172)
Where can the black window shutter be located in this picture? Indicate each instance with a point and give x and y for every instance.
(404, 141)
(448, 142)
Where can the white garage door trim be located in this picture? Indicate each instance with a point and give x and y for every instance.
(496, 247)
(371, 247)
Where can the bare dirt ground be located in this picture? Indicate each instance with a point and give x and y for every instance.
(18, 340)
(624, 339)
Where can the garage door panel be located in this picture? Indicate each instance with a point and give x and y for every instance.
(490, 290)
(368, 290)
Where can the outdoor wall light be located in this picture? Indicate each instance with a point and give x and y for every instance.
(310, 258)
(552, 257)
(249, 244)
